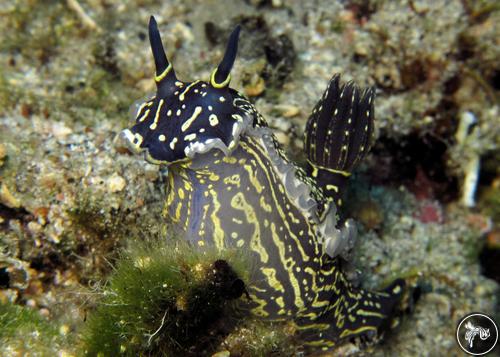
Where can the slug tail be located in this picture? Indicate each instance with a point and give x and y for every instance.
(354, 315)
(368, 315)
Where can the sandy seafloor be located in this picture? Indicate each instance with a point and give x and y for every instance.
(71, 192)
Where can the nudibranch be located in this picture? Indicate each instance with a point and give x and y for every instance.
(230, 185)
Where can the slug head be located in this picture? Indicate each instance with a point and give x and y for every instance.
(185, 118)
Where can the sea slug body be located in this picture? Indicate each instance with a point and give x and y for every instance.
(230, 185)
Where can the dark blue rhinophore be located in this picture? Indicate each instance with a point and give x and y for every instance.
(165, 73)
(221, 75)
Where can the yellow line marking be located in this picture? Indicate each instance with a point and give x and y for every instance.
(181, 97)
(155, 121)
(340, 172)
(219, 85)
(164, 73)
(193, 117)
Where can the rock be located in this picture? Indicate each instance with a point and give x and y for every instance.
(7, 198)
(361, 50)
(441, 302)
(277, 3)
(282, 138)
(34, 228)
(151, 174)
(18, 272)
(60, 130)
(255, 88)
(369, 213)
(146, 85)
(182, 32)
(288, 111)
(482, 223)
(282, 125)
(3, 153)
(493, 239)
(49, 180)
(116, 183)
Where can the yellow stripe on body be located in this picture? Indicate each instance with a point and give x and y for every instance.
(157, 115)
(348, 332)
(144, 116)
(270, 273)
(218, 231)
(278, 241)
(188, 207)
(280, 302)
(232, 180)
(318, 326)
(369, 313)
(185, 126)
(238, 202)
(141, 107)
(259, 310)
(252, 176)
(320, 343)
(316, 167)
(316, 289)
(264, 205)
(337, 305)
(181, 96)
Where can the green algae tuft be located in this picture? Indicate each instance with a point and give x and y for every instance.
(23, 330)
(164, 299)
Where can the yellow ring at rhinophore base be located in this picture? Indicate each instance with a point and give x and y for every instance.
(164, 73)
(219, 85)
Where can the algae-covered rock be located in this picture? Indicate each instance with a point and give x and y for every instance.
(168, 299)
